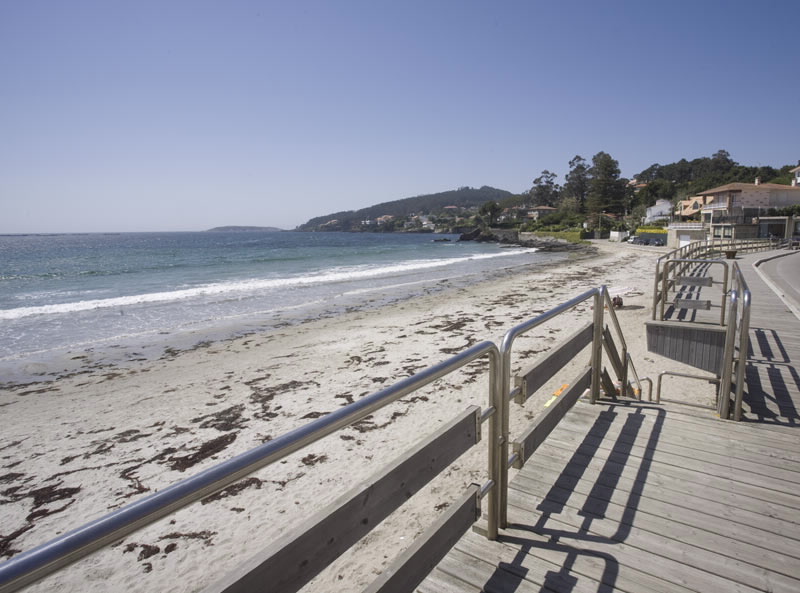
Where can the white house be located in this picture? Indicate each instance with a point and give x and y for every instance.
(661, 210)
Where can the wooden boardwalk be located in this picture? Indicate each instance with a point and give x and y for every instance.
(773, 381)
(641, 497)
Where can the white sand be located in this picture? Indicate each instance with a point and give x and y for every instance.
(75, 448)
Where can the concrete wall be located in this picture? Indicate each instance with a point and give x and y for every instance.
(679, 237)
(618, 235)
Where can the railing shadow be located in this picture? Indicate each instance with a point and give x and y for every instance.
(770, 381)
(687, 292)
(509, 576)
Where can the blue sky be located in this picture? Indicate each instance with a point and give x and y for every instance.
(149, 116)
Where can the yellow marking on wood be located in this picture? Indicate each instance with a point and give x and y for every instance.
(556, 394)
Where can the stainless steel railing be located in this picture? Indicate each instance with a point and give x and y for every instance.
(503, 460)
(736, 363)
(700, 250)
(735, 304)
(37, 563)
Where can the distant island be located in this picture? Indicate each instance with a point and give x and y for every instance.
(243, 228)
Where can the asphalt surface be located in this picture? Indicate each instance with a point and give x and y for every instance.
(784, 273)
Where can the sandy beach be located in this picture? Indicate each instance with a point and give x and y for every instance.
(77, 447)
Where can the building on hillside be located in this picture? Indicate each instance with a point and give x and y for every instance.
(796, 173)
(661, 210)
(537, 212)
(690, 209)
(734, 209)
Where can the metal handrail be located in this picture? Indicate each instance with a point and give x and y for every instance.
(505, 378)
(663, 374)
(739, 321)
(627, 359)
(665, 287)
(37, 563)
(45, 559)
(723, 400)
(743, 326)
(703, 250)
(639, 381)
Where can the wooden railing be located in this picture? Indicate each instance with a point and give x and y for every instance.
(297, 557)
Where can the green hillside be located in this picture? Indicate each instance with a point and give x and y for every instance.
(430, 204)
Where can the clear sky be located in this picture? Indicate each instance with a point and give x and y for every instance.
(184, 115)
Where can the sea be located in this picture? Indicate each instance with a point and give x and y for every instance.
(69, 299)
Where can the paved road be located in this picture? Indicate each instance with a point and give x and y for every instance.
(784, 273)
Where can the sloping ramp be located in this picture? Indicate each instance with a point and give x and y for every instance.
(636, 497)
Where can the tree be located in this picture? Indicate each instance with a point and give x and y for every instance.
(658, 189)
(545, 191)
(606, 190)
(490, 209)
(577, 182)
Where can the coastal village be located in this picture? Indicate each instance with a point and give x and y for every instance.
(730, 211)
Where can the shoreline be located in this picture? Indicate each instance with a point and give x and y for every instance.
(153, 345)
(80, 445)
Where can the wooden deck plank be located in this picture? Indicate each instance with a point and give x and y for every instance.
(624, 555)
(685, 524)
(696, 479)
(643, 497)
(772, 386)
(771, 517)
(571, 520)
(674, 438)
(510, 569)
(709, 465)
(540, 552)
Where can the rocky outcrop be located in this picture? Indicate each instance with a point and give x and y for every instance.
(514, 237)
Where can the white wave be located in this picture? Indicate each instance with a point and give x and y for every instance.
(343, 274)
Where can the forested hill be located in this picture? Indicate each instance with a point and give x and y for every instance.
(464, 197)
(684, 178)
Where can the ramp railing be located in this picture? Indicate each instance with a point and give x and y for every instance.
(737, 347)
(695, 253)
(734, 309)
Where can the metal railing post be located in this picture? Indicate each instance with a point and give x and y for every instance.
(597, 344)
(724, 398)
(498, 448)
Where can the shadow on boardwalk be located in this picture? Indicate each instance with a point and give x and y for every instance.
(770, 380)
(553, 537)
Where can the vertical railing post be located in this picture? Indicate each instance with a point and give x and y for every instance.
(664, 289)
(724, 397)
(741, 361)
(597, 344)
(624, 391)
(498, 447)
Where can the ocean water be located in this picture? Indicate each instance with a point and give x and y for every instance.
(67, 298)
